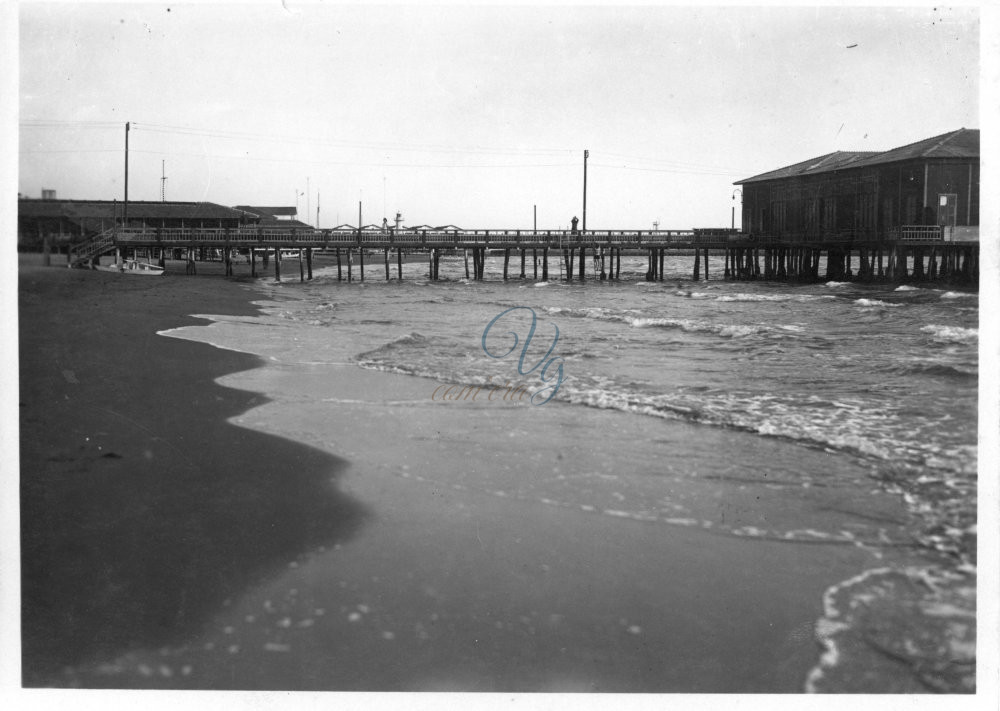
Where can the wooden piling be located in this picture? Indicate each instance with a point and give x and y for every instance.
(309, 263)
(697, 266)
(302, 268)
(545, 264)
(659, 265)
(361, 264)
(583, 262)
(534, 261)
(277, 264)
(506, 262)
(399, 263)
(350, 265)
(340, 275)
(522, 262)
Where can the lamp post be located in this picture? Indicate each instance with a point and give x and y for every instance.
(733, 211)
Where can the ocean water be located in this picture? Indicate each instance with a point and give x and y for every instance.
(838, 397)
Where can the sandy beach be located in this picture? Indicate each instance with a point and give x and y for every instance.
(141, 508)
(410, 545)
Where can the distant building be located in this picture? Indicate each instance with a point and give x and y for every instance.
(68, 221)
(870, 195)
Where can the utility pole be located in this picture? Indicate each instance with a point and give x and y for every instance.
(317, 209)
(536, 217)
(125, 212)
(163, 182)
(307, 200)
(586, 154)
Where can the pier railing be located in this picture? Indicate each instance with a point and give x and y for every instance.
(251, 236)
(916, 233)
(257, 236)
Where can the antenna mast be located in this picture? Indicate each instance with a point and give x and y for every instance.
(163, 183)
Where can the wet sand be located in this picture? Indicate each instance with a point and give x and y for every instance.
(413, 546)
(141, 508)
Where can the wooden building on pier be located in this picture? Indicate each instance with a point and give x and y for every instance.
(928, 189)
(61, 222)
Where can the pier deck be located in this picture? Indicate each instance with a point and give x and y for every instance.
(917, 251)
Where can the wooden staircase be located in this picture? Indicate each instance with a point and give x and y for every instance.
(95, 247)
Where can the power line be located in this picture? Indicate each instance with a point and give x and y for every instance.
(55, 123)
(691, 171)
(355, 163)
(312, 141)
(657, 165)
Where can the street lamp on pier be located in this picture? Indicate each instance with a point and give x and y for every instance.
(733, 211)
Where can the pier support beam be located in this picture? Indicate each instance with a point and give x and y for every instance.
(277, 264)
(399, 263)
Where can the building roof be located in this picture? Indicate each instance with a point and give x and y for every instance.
(963, 143)
(268, 211)
(821, 164)
(137, 210)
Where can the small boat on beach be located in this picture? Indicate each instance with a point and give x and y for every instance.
(131, 266)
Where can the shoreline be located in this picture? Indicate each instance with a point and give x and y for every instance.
(418, 516)
(422, 489)
(140, 504)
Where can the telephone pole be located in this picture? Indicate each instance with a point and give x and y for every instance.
(163, 182)
(586, 154)
(125, 211)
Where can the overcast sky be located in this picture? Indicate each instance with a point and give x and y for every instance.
(472, 115)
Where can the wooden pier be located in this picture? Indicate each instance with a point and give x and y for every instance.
(918, 253)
